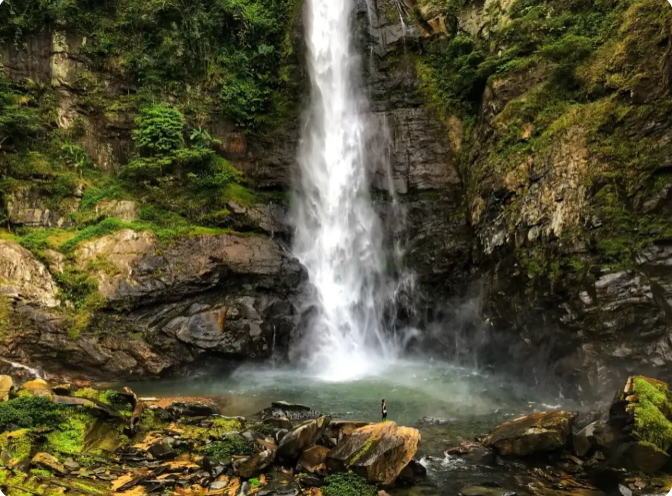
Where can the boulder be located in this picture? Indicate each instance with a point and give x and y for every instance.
(298, 440)
(6, 385)
(280, 484)
(313, 460)
(290, 411)
(377, 452)
(338, 429)
(537, 433)
(38, 387)
(24, 278)
(48, 462)
(639, 456)
(183, 409)
(279, 423)
(251, 466)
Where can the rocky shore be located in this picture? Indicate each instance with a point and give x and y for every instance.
(74, 439)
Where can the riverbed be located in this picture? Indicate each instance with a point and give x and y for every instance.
(447, 403)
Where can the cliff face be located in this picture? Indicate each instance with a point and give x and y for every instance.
(521, 162)
(554, 185)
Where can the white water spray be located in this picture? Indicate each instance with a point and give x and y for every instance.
(338, 236)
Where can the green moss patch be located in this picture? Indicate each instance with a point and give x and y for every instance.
(349, 484)
(221, 450)
(651, 423)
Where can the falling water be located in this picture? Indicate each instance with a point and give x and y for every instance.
(338, 236)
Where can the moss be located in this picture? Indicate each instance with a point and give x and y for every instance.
(29, 411)
(223, 425)
(69, 438)
(348, 484)
(5, 308)
(364, 449)
(18, 443)
(651, 423)
(234, 445)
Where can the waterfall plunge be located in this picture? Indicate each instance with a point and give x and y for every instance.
(338, 236)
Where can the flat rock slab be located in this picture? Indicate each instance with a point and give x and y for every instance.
(537, 433)
(377, 452)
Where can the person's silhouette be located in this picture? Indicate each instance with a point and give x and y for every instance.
(383, 408)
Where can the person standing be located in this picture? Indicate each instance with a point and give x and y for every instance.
(383, 408)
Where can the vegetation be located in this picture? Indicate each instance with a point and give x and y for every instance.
(347, 484)
(652, 411)
(27, 412)
(233, 445)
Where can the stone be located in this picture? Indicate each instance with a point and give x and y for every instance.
(412, 472)
(280, 484)
(48, 462)
(290, 411)
(474, 490)
(338, 429)
(62, 390)
(377, 452)
(251, 466)
(183, 409)
(638, 456)
(581, 441)
(162, 451)
(126, 210)
(38, 387)
(313, 460)
(25, 279)
(71, 465)
(541, 432)
(6, 385)
(279, 423)
(299, 439)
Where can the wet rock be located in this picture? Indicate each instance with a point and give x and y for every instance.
(182, 409)
(6, 385)
(313, 460)
(473, 490)
(473, 452)
(537, 433)
(279, 423)
(412, 472)
(280, 484)
(162, 451)
(639, 456)
(48, 462)
(299, 439)
(376, 452)
(38, 387)
(101, 408)
(338, 429)
(126, 210)
(290, 411)
(307, 481)
(252, 466)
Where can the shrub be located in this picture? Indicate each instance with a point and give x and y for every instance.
(349, 484)
(28, 412)
(159, 131)
(234, 445)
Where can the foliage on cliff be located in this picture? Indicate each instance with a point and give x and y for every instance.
(566, 105)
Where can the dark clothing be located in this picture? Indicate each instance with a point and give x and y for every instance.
(384, 413)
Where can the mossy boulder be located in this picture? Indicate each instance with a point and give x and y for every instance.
(642, 413)
(377, 452)
(38, 387)
(48, 462)
(6, 385)
(540, 432)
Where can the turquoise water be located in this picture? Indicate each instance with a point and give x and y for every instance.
(456, 403)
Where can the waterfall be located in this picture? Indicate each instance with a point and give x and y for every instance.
(338, 236)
